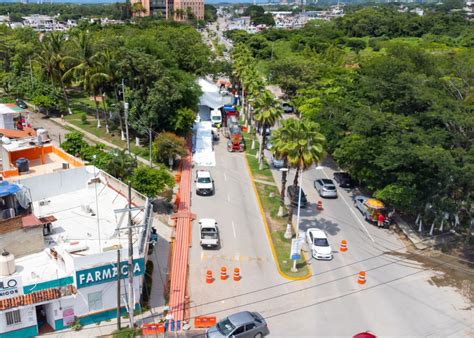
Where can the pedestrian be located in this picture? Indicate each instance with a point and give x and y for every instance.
(380, 220)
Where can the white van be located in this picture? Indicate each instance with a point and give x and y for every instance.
(216, 117)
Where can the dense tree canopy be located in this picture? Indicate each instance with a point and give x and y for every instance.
(393, 94)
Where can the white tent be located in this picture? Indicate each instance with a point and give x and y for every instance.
(210, 95)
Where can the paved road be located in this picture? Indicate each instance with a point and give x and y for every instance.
(397, 298)
(244, 242)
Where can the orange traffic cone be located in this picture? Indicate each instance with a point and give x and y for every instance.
(343, 247)
(223, 273)
(209, 278)
(236, 274)
(361, 279)
(319, 205)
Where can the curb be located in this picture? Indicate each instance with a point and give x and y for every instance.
(267, 231)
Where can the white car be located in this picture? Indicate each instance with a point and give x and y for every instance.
(204, 183)
(318, 244)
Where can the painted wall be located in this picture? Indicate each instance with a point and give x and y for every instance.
(49, 310)
(28, 319)
(57, 183)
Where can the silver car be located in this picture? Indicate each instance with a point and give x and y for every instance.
(277, 162)
(241, 324)
(325, 187)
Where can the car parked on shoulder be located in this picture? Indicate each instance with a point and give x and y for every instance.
(204, 183)
(287, 108)
(325, 187)
(277, 162)
(318, 244)
(243, 324)
(344, 179)
(293, 196)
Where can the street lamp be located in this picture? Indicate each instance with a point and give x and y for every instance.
(294, 269)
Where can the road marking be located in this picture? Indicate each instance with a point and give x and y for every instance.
(228, 198)
(233, 229)
(203, 255)
(352, 211)
(225, 177)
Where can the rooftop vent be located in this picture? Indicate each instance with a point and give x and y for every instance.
(7, 263)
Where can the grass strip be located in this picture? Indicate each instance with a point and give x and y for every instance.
(269, 197)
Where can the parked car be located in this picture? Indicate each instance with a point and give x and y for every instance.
(318, 244)
(344, 179)
(277, 162)
(268, 143)
(287, 108)
(204, 183)
(325, 187)
(293, 196)
(242, 324)
(20, 103)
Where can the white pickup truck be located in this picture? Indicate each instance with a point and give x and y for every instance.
(209, 233)
(204, 183)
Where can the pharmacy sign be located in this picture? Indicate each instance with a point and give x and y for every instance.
(108, 273)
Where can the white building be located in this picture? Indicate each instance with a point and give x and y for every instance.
(64, 235)
(43, 23)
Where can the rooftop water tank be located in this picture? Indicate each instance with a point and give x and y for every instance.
(7, 263)
(23, 165)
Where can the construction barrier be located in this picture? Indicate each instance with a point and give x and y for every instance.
(319, 205)
(209, 277)
(361, 279)
(153, 328)
(203, 322)
(236, 274)
(223, 273)
(343, 247)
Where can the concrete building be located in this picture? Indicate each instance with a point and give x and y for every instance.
(61, 232)
(176, 9)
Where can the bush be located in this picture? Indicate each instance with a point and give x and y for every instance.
(74, 143)
(84, 118)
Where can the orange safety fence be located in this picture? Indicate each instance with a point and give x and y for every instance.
(204, 322)
(153, 328)
(179, 260)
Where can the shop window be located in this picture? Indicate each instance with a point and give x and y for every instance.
(95, 301)
(13, 317)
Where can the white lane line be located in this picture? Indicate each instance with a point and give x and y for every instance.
(351, 208)
(225, 177)
(233, 229)
(228, 198)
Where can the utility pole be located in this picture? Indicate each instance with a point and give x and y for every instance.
(131, 302)
(118, 290)
(125, 108)
(151, 141)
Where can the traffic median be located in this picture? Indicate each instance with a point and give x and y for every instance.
(268, 198)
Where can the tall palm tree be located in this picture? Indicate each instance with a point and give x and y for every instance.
(267, 112)
(241, 67)
(86, 70)
(280, 137)
(302, 144)
(51, 58)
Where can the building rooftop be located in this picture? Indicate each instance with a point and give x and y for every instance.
(76, 224)
(81, 210)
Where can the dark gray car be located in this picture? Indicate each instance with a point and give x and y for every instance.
(242, 324)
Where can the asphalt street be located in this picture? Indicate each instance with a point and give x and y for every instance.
(396, 300)
(244, 241)
(399, 297)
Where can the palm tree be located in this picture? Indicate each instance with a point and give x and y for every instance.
(280, 137)
(51, 59)
(302, 144)
(86, 70)
(243, 61)
(267, 112)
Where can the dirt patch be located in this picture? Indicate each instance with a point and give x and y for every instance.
(451, 258)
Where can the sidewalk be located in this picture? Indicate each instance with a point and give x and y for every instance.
(93, 138)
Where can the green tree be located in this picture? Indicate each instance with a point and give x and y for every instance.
(74, 143)
(151, 182)
(168, 146)
(267, 111)
(120, 164)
